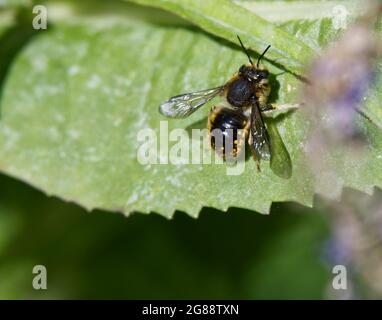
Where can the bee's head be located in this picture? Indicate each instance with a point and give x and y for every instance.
(253, 74)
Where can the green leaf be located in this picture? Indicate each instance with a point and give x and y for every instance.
(78, 94)
(283, 11)
(227, 19)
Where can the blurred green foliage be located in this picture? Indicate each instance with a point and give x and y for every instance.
(234, 255)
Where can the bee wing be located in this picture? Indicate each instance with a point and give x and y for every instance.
(260, 141)
(185, 104)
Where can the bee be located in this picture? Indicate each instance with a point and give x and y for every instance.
(239, 118)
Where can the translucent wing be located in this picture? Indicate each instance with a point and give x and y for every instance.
(183, 105)
(260, 141)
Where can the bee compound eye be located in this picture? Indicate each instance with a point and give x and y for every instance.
(264, 74)
(242, 69)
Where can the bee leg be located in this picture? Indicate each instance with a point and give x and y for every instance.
(256, 159)
(257, 163)
(272, 110)
(269, 107)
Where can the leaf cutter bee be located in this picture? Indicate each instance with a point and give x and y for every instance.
(245, 98)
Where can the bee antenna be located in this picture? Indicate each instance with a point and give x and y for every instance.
(245, 50)
(262, 55)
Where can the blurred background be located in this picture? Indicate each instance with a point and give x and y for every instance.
(233, 255)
